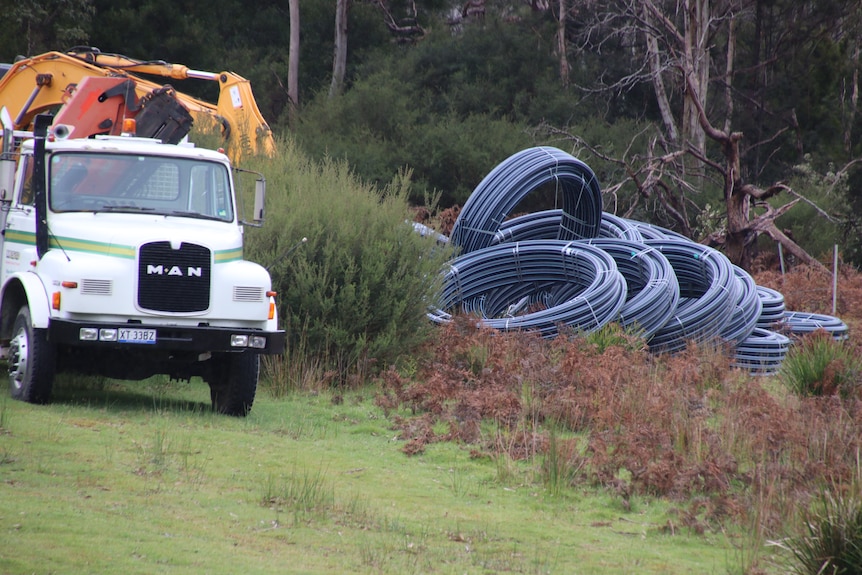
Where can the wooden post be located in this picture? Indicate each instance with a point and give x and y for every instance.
(835, 280)
(781, 258)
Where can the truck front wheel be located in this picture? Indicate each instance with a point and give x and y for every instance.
(233, 382)
(31, 361)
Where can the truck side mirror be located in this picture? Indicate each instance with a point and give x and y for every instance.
(7, 179)
(257, 216)
(7, 159)
(259, 199)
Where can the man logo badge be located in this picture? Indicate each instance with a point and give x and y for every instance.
(174, 271)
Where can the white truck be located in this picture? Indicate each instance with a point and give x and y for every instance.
(122, 256)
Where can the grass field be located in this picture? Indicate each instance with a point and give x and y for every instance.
(141, 478)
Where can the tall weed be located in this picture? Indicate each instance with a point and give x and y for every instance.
(831, 541)
(818, 365)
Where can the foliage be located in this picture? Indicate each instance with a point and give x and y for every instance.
(450, 109)
(490, 68)
(805, 47)
(375, 127)
(818, 365)
(614, 335)
(852, 213)
(809, 289)
(355, 293)
(31, 27)
(814, 222)
(227, 35)
(832, 539)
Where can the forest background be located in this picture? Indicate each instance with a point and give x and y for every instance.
(710, 117)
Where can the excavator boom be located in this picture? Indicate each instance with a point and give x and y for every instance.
(45, 82)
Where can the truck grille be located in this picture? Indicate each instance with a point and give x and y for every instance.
(172, 280)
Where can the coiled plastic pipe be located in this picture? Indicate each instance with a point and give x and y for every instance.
(577, 286)
(708, 293)
(801, 323)
(762, 352)
(513, 179)
(653, 290)
(747, 311)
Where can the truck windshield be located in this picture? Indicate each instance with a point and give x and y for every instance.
(100, 182)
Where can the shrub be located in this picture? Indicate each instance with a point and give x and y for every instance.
(354, 295)
(832, 542)
(818, 365)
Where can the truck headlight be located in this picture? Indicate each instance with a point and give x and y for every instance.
(88, 334)
(238, 340)
(109, 334)
(257, 341)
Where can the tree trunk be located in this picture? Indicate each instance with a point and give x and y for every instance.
(852, 106)
(562, 45)
(697, 65)
(293, 64)
(658, 80)
(339, 60)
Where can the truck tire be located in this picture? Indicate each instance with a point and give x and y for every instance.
(233, 382)
(31, 361)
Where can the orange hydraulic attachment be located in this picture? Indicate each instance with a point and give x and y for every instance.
(110, 106)
(45, 82)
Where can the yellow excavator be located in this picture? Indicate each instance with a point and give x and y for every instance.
(44, 83)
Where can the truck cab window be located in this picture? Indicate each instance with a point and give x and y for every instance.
(176, 187)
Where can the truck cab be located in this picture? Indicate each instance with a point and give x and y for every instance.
(123, 256)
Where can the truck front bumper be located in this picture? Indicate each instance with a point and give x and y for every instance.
(179, 338)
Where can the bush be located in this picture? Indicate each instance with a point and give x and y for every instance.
(832, 542)
(818, 365)
(354, 295)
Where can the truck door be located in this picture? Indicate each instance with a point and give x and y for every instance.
(19, 234)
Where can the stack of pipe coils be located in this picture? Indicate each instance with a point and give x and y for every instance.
(581, 267)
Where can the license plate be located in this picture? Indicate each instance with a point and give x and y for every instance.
(137, 335)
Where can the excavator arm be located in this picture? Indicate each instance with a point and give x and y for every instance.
(45, 82)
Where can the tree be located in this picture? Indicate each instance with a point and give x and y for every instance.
(293, 64)
(339, 59)
(406, 29)
(31, 27)
(687, 47)
(562, 45)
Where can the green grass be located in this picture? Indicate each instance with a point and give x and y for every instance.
(117, 479)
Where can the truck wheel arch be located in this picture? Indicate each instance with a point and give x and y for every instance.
(23, 289)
